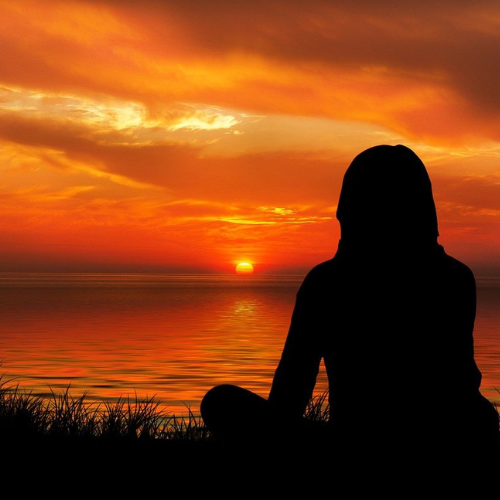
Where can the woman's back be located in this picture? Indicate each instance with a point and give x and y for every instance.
(397, 345)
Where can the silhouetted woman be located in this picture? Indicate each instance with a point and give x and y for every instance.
(391, 316)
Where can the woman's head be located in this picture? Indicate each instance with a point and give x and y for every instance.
(387, 196)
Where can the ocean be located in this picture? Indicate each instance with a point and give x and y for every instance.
(167, 337)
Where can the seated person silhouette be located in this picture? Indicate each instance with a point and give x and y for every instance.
(391, 316)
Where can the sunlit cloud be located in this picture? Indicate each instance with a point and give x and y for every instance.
(248, 222)
(116, 115)
(203, 119)
(109, 114)
(277, 216)
(278, 210)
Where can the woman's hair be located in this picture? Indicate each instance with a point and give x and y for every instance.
(387, 194)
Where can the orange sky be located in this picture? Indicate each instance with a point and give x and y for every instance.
(190, 135)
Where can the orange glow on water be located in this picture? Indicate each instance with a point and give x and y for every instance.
(172, 342)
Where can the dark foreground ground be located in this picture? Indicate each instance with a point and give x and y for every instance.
(188, 469)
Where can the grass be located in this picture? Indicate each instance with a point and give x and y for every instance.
(134, 446)
(65, 416)
(130, 445)
(26, 415)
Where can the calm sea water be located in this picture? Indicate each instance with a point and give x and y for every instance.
(168, 337)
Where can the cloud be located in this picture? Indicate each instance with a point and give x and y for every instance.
(477, 196)
(398, 63)
(180, 168)
(450, 46)
(202, 119)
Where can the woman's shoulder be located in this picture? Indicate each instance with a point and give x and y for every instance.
(324, 270)
(455, 267)
(322, 276)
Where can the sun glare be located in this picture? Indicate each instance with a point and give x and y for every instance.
(244, 268)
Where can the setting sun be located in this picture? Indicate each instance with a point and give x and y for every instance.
(244, 268)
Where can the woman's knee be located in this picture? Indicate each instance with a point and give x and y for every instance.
(215, 399)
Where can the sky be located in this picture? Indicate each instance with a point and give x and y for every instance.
(188, 136)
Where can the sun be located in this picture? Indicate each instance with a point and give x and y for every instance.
(244, 268)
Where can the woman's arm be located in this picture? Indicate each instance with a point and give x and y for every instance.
(295, 376)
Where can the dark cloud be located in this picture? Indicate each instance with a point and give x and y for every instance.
(261, 178)
(452, 44)
(452, 47)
